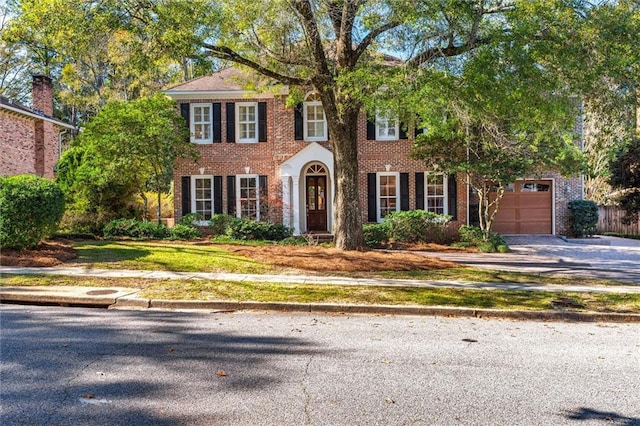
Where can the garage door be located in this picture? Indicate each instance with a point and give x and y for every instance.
(525, 208)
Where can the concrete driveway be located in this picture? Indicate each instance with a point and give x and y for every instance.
(600, 257)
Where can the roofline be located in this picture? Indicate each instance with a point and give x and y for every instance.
(198, 94)
(37, 116)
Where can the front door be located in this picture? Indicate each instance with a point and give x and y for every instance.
(316, 190)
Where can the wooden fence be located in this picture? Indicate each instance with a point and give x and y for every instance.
(610, 220)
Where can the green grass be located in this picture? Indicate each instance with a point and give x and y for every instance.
(361, 295)
(164, 256)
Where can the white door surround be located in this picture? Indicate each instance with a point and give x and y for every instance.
(292, 173)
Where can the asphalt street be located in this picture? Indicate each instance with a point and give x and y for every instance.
(76, 366)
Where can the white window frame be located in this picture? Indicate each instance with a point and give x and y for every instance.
(203, 122)
(315, 104)
(238, 192)
(444, 196)
(239, 122)
(379, 196)
(194, 200)
(382, 123)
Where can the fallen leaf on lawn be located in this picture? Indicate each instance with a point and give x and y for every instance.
(220, 373)
(89, 396)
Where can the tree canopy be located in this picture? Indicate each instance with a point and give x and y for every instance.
(128, 149)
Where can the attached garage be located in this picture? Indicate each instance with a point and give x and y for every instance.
(526, 208)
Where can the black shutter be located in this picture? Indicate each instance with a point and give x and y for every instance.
(185, 111)
(231, 195)
(452, 195)
(403, 132)
(264, 202)
(298, 122)
(404, 191)
(372, 214)
(186, 195)
(371, 129)
(217, 194)
(262, 121)
(262, 184)
(217, 122)
(419, 191)
(231, 122)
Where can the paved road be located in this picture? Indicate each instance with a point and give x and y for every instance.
(64, 366)
(603, 257)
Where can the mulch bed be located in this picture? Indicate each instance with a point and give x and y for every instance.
(50, 253)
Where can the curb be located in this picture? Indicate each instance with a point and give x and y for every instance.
(131, 301)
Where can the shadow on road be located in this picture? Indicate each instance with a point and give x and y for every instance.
(584, 413)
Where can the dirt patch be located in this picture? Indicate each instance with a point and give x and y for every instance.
(322, 259)
(50, 253)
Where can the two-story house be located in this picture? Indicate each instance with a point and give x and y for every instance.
(30, 138)
(259, 157)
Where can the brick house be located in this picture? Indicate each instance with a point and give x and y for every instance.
(30, 138)
(260, 158)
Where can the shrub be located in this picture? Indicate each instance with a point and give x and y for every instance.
(243, 229)
(183, 232)
(221, 224)
(133, 228)
(30, 210)
(417, 226)
(472, 236)
(583, 218)
(294, 241)
(189, 219)
(375, 234)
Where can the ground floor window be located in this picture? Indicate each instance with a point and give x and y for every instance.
(203, 196)
(435, 192)
(388, 192)
(247, 197)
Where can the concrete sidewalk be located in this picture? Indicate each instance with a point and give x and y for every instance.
(130, 298)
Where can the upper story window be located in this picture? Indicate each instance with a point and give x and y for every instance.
(435, 186)
(387, 126)
(247, 113)
(201, 123)
(388, 186)
(315, 122)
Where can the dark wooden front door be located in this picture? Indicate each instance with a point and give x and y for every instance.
(316, 190)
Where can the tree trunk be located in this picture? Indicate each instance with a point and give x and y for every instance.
(348, 217)
(159, 212)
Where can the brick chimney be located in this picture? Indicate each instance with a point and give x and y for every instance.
(43, 94)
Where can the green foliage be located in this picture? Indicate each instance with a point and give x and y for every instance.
(144, 230)
(183, 232)
(294, 241)
(626, 178)
(417, 226)
(127, 150)
(30, 210)
(473, 236)
(244, 229)
(221, 224)
(190, 218)
(375, 234)
(583, 217)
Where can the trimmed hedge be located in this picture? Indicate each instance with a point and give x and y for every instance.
(30, 210)
(583, 218)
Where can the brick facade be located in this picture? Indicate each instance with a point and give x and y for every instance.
(283, 160)
(29, 137)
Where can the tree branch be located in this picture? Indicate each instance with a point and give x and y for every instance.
(447, 51)
(223, 52)
(373, 34)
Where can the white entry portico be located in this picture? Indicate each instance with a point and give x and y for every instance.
(296, 193)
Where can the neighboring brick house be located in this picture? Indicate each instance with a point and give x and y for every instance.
(260, 158)
(30, 138)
